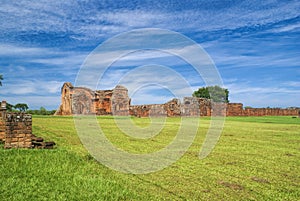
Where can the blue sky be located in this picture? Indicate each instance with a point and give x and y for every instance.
(254, 45)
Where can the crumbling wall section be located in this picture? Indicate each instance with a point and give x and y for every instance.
(154, 110)
(102, 102)
(270, 112)
(190, 106)
(18, 129)
(2, 120)
(82, 101)
(235, 109)
(120, 101)
(66, 96)
(172, 108)
(2, 130)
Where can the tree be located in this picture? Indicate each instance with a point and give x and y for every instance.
(22, 107)
(43, 111)
(215, 93)
(1, 78)
(9, 107)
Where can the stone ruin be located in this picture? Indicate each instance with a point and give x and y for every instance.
(16, 131)
(81, 100)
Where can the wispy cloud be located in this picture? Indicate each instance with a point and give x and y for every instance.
(38, 87)
(255, 45)
(263, 96)
(79, 20)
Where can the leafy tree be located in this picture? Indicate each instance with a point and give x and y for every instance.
(1, 78)
(9, 107)
(43, 111)
(215, 93)
(22, 107)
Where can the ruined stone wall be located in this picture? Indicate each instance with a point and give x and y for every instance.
(2, 120)
(76, 100)
(18, 128)
(147, 110)
(2, 128)
(66, 97)
(192, 106)
(102, 102)
(80, 100)
(270, 112)
(120, 101)
(235, 109)
(16, 131)
(205, 106)
(170, 109)
(15, 128)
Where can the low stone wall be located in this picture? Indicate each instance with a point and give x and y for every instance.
(192, 106)
(18, 127)
(270, 112)
(16, 131)
(147, 110)
(235, 109)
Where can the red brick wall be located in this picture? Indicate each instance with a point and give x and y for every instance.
(2, 130)
(18, 130)
(190, 107)
(235, 109)
(270, 112)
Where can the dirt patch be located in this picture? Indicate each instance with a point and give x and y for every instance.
(206, 191)
(233, 186)
(288, 154)
(231, 163)
(260, 180)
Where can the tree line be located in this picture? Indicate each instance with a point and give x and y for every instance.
(23, 107)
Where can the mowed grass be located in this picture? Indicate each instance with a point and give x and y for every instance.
(256, 158)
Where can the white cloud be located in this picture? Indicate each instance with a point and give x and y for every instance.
(15, 50)
(34, 101)
(262, 96)
(290, 27)
(86, 22)
(292, 84)
(71, 61)
(31, 87)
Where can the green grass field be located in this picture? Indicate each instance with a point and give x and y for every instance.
(256, 158)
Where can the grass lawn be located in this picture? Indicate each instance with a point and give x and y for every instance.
(256, 158)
